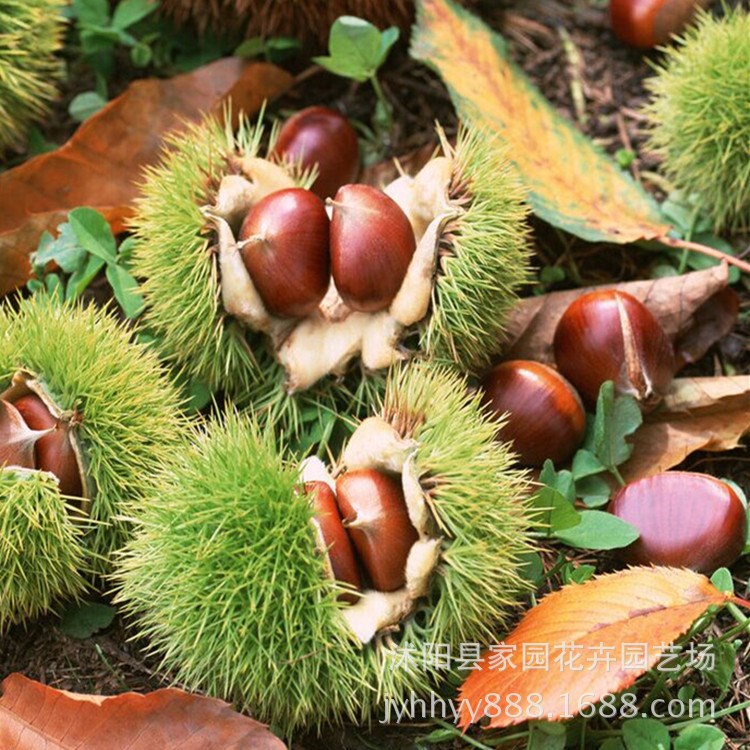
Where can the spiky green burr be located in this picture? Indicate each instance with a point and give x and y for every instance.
(225, 579)
(700, 115)
(129, 414)
(30, 34)
(482, 260)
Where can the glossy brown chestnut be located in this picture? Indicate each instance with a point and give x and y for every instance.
(340, 552)
(372, 244)
(374, 513)
(646, 23)
(323, 137)
(286, 251)
(546, 419)
(610, 335)
(685, 520)
(53, 452)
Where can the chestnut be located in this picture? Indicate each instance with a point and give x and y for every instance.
(647, 23)
(372, 244)
(374, 513)
(685, 520)
(546, 419)
(610, 335)
(323, 137)
(285, 250)
(53, 451)
(340, 553)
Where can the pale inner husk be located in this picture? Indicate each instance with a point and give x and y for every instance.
(326, 341)
(377, 445)
(24, 383)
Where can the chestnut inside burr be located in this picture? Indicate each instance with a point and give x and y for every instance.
(37, 435)
(366, 528)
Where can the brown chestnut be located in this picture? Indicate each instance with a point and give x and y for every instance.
(340, 553)
(323, 137)
(546, 419)
(647, 23)
(285, 250)
(372, 244)
(374, 513)
(685, 520)
(610, 335)
(54, 451)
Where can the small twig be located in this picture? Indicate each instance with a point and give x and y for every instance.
(705, 250)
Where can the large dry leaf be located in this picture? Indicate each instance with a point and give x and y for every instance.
(101, 164)
(37, 717)
(706, 414)
(572, 184)
(651, 606)
(694, 310)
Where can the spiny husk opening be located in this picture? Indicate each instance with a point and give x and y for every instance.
(465, 207)
(85, 363)
(24, 383)
(226, 577)
(30, 34)
(377, 445)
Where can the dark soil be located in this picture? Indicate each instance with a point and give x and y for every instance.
(568, 50)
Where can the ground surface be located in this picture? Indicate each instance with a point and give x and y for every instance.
(544, 37)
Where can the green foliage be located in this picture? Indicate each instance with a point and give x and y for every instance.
(227, 584)
(83, 247)
(30, 34)
(130, 411)
(357, 49)
(487, 259)
(99, 32)
(645, 734)
(83, 620)
(604, 449)
(700, 115)
(41, 552)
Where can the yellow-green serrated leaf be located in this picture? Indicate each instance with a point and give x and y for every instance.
(572, 184)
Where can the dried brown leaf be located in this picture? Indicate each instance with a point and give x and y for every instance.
(101, 164)
(709, 414)
(37, 717)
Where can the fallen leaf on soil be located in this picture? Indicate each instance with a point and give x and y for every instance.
(706, 414)
(102, 162)
(695, 310)
(587, 629)
(37, 717)
(572, 184)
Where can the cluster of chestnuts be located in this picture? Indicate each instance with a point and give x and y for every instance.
(603, 335)
(292, 250)
(35, 439)
(366, 528)
(684, 519)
